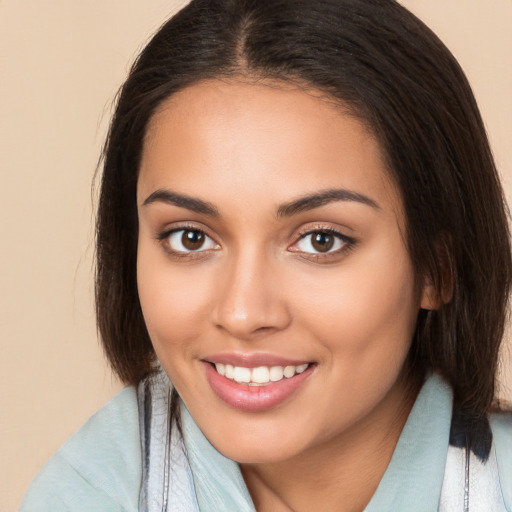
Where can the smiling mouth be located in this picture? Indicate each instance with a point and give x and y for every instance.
(248, 384)
(259, 376)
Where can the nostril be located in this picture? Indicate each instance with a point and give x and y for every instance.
(264, 329)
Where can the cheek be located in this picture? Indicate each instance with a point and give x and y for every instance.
(174, 303)
(369, 307)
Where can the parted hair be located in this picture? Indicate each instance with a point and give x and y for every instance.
(393, 72)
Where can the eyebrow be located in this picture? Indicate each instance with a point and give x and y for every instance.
(302, 204)
(183, 201)
(312, 201)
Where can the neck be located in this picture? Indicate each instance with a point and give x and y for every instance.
(346, 469)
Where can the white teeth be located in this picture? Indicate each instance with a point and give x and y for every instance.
(230, 371)
(259, 376)
(276, 373)
(301, 368)
(289, 371)
(242, 375)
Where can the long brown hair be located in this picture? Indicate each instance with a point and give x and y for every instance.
(393, 72)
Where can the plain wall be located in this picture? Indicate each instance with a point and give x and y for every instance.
(61, 62)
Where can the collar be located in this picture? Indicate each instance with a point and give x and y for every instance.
(217, 479)
(414, 475)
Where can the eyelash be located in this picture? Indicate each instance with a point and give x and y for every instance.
(348, 243)
(163, 238)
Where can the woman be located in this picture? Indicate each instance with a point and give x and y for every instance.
(300, 226)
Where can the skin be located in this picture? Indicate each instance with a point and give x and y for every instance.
(256, 286)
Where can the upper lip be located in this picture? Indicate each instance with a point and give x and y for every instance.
(253, 360)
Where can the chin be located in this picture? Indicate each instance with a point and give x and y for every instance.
(257, 442)
(259, 454)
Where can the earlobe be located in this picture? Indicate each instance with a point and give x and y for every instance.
(430, 299)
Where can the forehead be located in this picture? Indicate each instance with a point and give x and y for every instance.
(272, 140)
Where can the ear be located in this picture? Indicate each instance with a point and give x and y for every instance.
(432, 296)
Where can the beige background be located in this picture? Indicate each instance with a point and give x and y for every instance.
(61, 62)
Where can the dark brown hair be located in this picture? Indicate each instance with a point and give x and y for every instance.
(392, 71)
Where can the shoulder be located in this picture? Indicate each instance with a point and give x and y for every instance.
(501, 425)
(98, 468)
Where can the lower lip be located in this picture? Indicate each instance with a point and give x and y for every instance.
(254, 398)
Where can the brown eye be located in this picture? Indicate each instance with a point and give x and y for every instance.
(189, 240)
(322, 242)
(192, 240)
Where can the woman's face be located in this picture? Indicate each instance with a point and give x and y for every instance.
(272, 268)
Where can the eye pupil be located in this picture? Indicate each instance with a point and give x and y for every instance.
(192, 240)
(322, 242)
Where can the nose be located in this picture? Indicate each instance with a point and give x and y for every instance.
(251, 299)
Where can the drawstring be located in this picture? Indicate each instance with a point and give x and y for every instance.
(466, 478)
